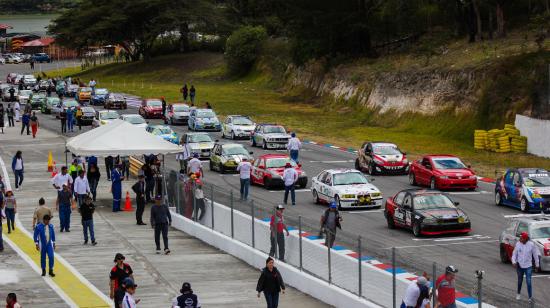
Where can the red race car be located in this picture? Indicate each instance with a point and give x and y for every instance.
(442, 172)
(151, 108)
(268, 169)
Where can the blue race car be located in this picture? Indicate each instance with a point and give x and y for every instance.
(164, 132)
(99, 96)
(527, 189)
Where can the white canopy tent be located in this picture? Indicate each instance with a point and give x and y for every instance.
(119, 138)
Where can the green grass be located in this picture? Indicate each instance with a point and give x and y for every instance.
(311, 119)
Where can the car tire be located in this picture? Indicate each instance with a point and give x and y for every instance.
(357, 164)
(412, 179)
(222, 168)
(503, 255)
(264, 145)
(316, 199)
(498, 198)
(416, 229)
(232, 135)
(433, 183)
(267, 183)
(390, 221)
(303, 184)
(223, 134)
(524, 205)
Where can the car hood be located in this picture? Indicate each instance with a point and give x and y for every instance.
(276, 135)
(390, 158)
(237, 157)
(441, 213)
(540, 190)
(88, 114)
(280, 171)
(181, 114)
(244, 127)
(456, 172)
(100, 96)
(356, 189)
(201, 145)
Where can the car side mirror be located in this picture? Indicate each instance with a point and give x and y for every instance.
(456, 203)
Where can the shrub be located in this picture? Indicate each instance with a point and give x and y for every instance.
(242, 48)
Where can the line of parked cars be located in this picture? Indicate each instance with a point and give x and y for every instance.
(17, 58)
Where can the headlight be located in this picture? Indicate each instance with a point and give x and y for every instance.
(348, 196)
(103, 122)
(303, 174)
(429, 220)
(473, 177)
(405, 161)
(443, 177)
(463, 218)
(376, 194)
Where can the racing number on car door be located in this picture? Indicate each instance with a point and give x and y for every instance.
(406, 211)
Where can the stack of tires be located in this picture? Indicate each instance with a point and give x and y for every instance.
(480, 139)
(519, 144)
(492, 139)
(511, 130)
(504, 145)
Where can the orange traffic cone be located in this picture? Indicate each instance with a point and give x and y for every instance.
(50, 162)
(128, 204)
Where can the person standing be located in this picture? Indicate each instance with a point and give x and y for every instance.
(39, 213)
(139, 190)
(18, 169)
(331, 220)
(12, 94)
(184, 91)
(125, 162)
(11, 301)
(192, 93)
(109, 165)
(2, 117)
(70, 119)
(445, 286)
(199, 200)
(277, 227)
(32, 64)
(63, 205)
(118, 274)
(92, 85)
(187, 299)
(194, 165)
(62, 178)
(293, 146)
(25, 122)
(160, 221)
(290, 176)
(412, 294)
(74, 169)
(116, 188)
(164, 110)
(17, 109)
(244, 169)
(63, 119)
(34, 124)
(128, 301)
(87, 212)
(271, 283)
(10, 208)
(149, 181)
(524, 253)
(2, 211)
(78, 115)
(11, 113)
(44, 238)
(81, 187)
(93, 176)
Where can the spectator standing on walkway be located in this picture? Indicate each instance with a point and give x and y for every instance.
(63, 119)
(93, 176)
(2, 117)
(524, 253)
(192, 93)
(187, 299)
(64, 206)
(11, 113)
(81, 188)
(17, 109)
(118, 274)
(116, 188)
(44, 238)
(74, 169)
(290, 176)
(139, 190)
(78, 115)
(184, 91)
(129, 301)
(39, 213)
(62, 178)
(109, 165)
(160, 221)
(445, 286)
(271, 283)
(25, 122)
(293, 146)
(199, 200)
(87, 212)
(125, 162)
(277, 227)
(70, 119)
(412, 294)
(329, 222)
(34, 124)
(18, 169)
(163, 104)
(92, 84)
(11, 301)
(194, 166)
(244, 169)
(32, 64)
(149, 182)
(10, 208)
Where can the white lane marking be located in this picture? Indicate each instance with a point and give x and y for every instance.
(541, 276)
(468, 192)
(448, 244)
(332, 161)
(228, 174)
(296, 190)
(458, 238)
(365, 211)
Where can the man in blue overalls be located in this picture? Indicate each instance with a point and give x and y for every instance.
(116, 188)
(44, 238)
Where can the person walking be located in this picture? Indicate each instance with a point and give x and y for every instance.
(149, 182)
(412, 294)
(445, 286)
(93, 176)
(194, 166)
(78, 115)
(74, 169)
(81, 188)
(11, 91)
(184, 91)
(18, 169)
(11, 301)
(118, 274)
(293, 146)
(187, 299)
(92, 85)
(17, 109)
(87, 212)
(63, 119)
(331, 220)
(25, 122)
(160, 220)
(139, 190)
(244, 169)
(63, 205)
(271, 283)
(524, 253)
(2, 117)
(199, 200)
(290, 176)
(109, 165)
(11, 113)
(192, 93)
(34, 124)
(62, 178)
(125, 162)
(70, 119)
(277, 226)
(128, 301)
(39, 213)
(10, 208)
(32, 64)
(44, 238)
(116, 188)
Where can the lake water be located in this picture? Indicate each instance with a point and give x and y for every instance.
(35, 23)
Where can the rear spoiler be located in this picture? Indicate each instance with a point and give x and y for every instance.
(526, 216)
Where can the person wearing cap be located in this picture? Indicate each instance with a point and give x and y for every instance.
(293, 146)
(412, 294)
(187, 299)
(244, 169)
(40, 212)
(277, 227)
(199, 200)
(271, 283)
(329, 222)
(445, 286)
(160, 220)
(116, 187)
(44, 239)
(194, 166)
(118, 273)
(290, 176)
(128, 301)
(63, 204)
(524, 253)
(139, 189)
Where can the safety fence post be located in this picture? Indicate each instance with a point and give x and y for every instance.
(479, 276)
(434, 278)
(194, 202)
(253, 234)
(359, 264)
(393, 277)
(329, 263)
(300, 238)
(212, 204)
(231, 202)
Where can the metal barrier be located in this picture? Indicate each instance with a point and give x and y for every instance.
(135, 165)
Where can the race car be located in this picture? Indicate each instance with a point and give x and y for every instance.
(134, 119)
(66, 103)
(268, 170)
(237, 126)
(72, 91)
(88, 114)
(426, 212)
(537, 227)
(200, 143)
(527, 189)
(24, 96)
(37, 100)
(349, 188)
(151, 108)
(84, 94)
(104, 117)
(442, 172)
(226, 157)
(269, 136)
(204, 119)
(381, 157)
(48, 104)
(115, 101)
(99, 96)
(29, 81)
(177, 114)
(164, 132)
(44, 84)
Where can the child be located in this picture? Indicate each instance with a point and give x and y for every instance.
(10, 208)
(11, 301)
(129, 301)
(87, 211)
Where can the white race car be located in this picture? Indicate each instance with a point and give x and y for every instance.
(349, 188)
(237, 126)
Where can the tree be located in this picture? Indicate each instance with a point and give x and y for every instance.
(242, 48)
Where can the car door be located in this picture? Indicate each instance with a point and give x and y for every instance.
(316, 182)
(398, 212)
(259, 170)
(215, 158)
(521, 227)
(423, 172)
(227, 126)
(509, 238)
(322, 188)
(368, 154)
(407, 210)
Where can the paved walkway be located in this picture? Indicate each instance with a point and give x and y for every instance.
(218, 278)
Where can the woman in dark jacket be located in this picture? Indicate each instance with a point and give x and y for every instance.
(271, 283)
(93, 178)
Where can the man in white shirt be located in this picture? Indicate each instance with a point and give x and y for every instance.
(62, 178)
(194, 165)
(524, 253)
(413, 292)
(184, 156)
(244, 168)
(81, 187)
(128, 301)
(290, 176)
(293, 146)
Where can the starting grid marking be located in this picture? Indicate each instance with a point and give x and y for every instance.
(459, 238)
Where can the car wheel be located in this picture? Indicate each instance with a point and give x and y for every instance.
(357, 165)
(232, 135)
(498, 198)
(371, 169)
(524, 205)
(416, 229)
(412, 179)
(221, 168)
(337, 201)
(303, 184)
(433, 184)
(315, 197)
(264, 145)
(390, 221)
(503, 255)
(267, 183)
(223, 134)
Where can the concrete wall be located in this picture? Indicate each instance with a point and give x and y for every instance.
(537, 133)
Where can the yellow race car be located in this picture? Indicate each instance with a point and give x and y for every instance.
(84, 94)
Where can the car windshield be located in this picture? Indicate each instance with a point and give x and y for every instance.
(25, 92)
(180, 108)
(164, 130)
(200, 138)
(448, 163)
(536, 179)
(135, 120)
(53, 100)
(433, 201)
(234, 150)
(242, 121)
(101, 91)
(274, 130)
(205, 114)
(70, 103)
(109, 115)
(154, 103)
(349, 178)
(279, 162)
(540, 231)
(87, 109)
(85, 89)
(386, 150)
